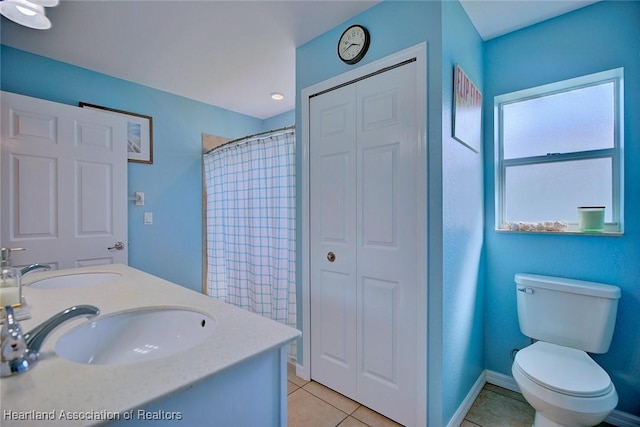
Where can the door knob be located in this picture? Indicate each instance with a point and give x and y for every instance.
(117, 247)
(331, 256)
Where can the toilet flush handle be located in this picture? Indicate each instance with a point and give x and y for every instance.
(525, 290)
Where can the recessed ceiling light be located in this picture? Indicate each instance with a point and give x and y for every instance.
(277, 96)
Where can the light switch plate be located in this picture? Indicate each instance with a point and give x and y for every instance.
(148, 218)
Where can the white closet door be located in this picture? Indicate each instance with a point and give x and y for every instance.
(64, 183)
(364, 210)
(387, 243)
(333, 231)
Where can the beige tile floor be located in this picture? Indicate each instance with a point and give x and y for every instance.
(314, 405)
(496, 406)
(499, 407)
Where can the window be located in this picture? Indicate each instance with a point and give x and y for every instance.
(559, 147)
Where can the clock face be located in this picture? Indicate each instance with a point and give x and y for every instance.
(353, 44)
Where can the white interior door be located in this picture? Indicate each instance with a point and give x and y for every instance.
(363, 209)
(64, 183)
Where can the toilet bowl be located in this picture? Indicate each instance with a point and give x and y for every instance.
(564, 385)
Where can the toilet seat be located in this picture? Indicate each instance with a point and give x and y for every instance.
(564, 370)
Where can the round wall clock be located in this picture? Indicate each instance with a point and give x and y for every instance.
(353, 44)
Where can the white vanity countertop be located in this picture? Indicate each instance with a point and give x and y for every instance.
(55, 384)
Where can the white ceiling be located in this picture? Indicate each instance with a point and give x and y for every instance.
(231, 54)
(494, 18)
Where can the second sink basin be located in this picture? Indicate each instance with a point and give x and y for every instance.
(135, 336)
(73, 280)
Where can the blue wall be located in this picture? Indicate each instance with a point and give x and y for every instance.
(463, 221)
(287, 118)
(599, 37)
(171, 248)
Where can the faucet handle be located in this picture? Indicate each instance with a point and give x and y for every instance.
(6, 255)
(13, 345)
(9, 320)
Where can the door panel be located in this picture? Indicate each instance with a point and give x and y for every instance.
(333, 319)
(93, 199)
(335, 197)
(387, 246)
(363, 208)
(379, 301)
(34, 203)
(332, 228)
(31, 126)
(64, 183)
(379, 109)
(379, 207)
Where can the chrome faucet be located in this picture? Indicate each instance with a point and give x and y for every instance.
(21, 352)
(33, 267)
(6, 261)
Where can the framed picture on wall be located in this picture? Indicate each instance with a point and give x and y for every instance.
(467, 110)
(139, 133)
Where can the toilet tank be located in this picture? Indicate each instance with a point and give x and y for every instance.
(567, 312)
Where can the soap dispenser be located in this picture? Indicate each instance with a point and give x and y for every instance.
(10, 277)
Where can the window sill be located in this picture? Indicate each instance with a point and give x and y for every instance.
(567, 232)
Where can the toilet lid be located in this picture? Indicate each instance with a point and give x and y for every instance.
(562, 369)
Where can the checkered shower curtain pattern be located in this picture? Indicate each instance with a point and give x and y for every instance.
(251, 225)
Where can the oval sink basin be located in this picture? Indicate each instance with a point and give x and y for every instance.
(135, 336)
(74, 280)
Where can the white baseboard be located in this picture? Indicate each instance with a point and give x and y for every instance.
(501, 380)
(616, 418)
(471, 397)
(302, 371)
(622, 419)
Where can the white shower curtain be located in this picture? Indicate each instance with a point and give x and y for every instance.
(251, 225)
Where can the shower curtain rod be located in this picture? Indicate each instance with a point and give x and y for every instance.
(283, 129)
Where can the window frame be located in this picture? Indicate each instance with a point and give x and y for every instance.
(615, 76)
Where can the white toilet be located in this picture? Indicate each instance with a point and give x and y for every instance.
(555, 375)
